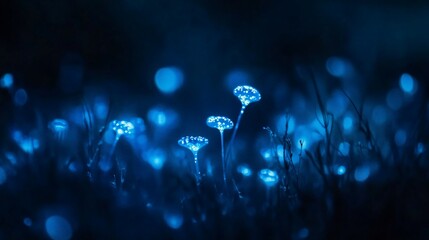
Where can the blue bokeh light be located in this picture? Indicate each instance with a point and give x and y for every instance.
(269, 177)
(244, 170)
(27, 222)
(155, 157)
(173, 220)
(21, 97)
(400, 137)
(347, 123)
(303, 233)
(394, 99)
(27, 144)
(162, 117)
(168, 79)
(338, 67)
(58, 228)
(344, 148)
(407, 83)
(341, 170)
(101, 108)
(337, 103)
(362, 173)
(267, 154)
(6, 81)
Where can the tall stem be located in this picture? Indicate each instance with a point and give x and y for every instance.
(234, 133)
(223, 157)
(197, 168)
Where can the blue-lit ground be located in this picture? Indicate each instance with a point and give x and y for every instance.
(183, 131)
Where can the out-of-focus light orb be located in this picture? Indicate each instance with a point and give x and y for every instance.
(269, 177)
(193, 143)
(27, 222)
(244, 170)
(379, 115)
(337, 103)
(344, 148)
(105, 164)
(303, 233)
(155, 157)
(219, 122)
(338, 67)
(362, 173)
(173, 220)
(168, 79)
(27, 144)
(6, 81)
(247, 94)
(11, 157)
(420, 148)
(281, 124)
(101, 108)
(122, 128)
(3, 176)
(237, 77)
(162, 117)
(394, 99)
(341, 170)
(20, 97)
(400, 137)
(266, 153)
(407, 83)
(347, 123)
(58, 228)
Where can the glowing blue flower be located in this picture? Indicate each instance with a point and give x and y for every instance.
(245, 170)
(247, 95)
(269, 177)
(122, 128)
(193, 143)
(219, 122)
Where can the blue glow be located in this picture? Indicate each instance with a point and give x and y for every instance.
(281, 124)
(11, 157)
(6, 81)
(27, 222)
(3, 176)
(269, 177)
(122, 128)
(173, 220)
(27, 144)
(20, 97)
(247, 95)
(245, 170)
(74, 167)
(400, 137)
(168, 79)
(58, 228)
(100, 108)
(162, 117)
(338, 67)
(209, 168)
(394, 99)
(337, 103)
(347, 123)
(155, 157)
(193, 143)
(344, 148)
(362, 173)
(407, 83)
(219, 122)
(58, 125)
(236, 78)
(303, 233)
(266, 153)
(341, 170)
(379, 115)
(420, 148)
(105, 164)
